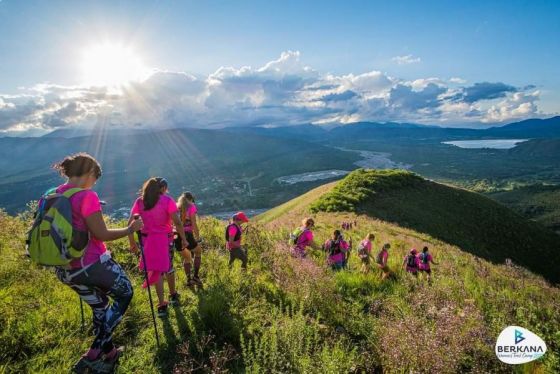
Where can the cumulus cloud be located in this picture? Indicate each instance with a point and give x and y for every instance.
(457, 80)
(284, 91)
(520, 105)
(485, 91)
(405, 60)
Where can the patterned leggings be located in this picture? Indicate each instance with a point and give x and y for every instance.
(94, 285)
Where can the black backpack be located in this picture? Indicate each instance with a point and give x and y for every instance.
(424, 257)
(411, 261)
(237, 234)
(334, 247)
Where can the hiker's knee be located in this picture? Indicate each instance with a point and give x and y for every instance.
(187, 256)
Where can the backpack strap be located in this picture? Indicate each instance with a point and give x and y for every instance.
(71, 192)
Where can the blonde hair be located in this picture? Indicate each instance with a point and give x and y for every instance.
(183, 203)
(308, 221)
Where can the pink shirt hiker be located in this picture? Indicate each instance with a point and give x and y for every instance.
(191, 210)
(84, 204)
(366, 244)
(337, 257)
(304, 240)
(411, 269)
(384, 257)
(157, 233)
(425, 266)
(233, 230)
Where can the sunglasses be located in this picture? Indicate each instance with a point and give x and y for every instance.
(162, 181)
(96, 173)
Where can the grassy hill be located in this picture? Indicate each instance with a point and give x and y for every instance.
(468, 220)
(291, 316)
(537, 202)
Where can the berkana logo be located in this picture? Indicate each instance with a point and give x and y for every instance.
(518, 337)
(524, 347)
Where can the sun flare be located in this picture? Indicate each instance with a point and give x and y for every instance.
(111, 65)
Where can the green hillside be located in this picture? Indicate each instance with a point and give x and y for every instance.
(286, 315)
(537, 202)
(468, 220)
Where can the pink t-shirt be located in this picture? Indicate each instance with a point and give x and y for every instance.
(305, 239)
(158, 219)
(366, 244)
(84, 204)
(233, 230)
(384, 256)
(191, 211)
(340, 256)
(425, 266)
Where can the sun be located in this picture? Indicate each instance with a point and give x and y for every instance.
(111, 65)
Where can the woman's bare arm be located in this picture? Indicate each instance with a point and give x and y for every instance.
(96, 225)
(194, 226)
(179, 228)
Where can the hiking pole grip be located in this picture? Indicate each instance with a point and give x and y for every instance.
(139, 233)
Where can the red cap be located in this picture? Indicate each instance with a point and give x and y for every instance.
(240, 216)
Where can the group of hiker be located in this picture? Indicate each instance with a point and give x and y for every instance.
(338, 251)
(348, 225)
(69, 232)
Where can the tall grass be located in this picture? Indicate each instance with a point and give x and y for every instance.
(285, 315)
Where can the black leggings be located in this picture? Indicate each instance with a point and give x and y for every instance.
(94, 286)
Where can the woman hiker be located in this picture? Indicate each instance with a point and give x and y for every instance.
(95, 277)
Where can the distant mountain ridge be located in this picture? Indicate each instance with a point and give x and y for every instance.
(530, 128)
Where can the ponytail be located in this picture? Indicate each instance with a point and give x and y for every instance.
(151, 190)
(77, 165)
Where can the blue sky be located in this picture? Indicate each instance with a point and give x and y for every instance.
(513, 43)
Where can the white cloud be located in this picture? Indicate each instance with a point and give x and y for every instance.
(457, 80)
(282, 92)
(520, 105)
(405, 60)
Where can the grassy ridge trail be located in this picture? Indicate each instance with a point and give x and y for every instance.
(285, 315)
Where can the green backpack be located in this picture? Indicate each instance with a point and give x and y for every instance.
(294, 236)
(52, 240)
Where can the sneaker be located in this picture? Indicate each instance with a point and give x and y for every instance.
(174, 299)
(162, 310)
(197, 281)
(105, 363)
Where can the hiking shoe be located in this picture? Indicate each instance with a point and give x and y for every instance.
(162, 310)
(105, 363)
(174, 299)
(197, 281)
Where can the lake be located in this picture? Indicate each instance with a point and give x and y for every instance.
(486, 143)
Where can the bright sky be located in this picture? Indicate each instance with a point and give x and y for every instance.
(441, 62)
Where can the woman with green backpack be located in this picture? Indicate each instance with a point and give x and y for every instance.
(95, 276)
(302, 238)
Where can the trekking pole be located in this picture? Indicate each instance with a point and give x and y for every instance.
(139, 233)
(82, 312)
